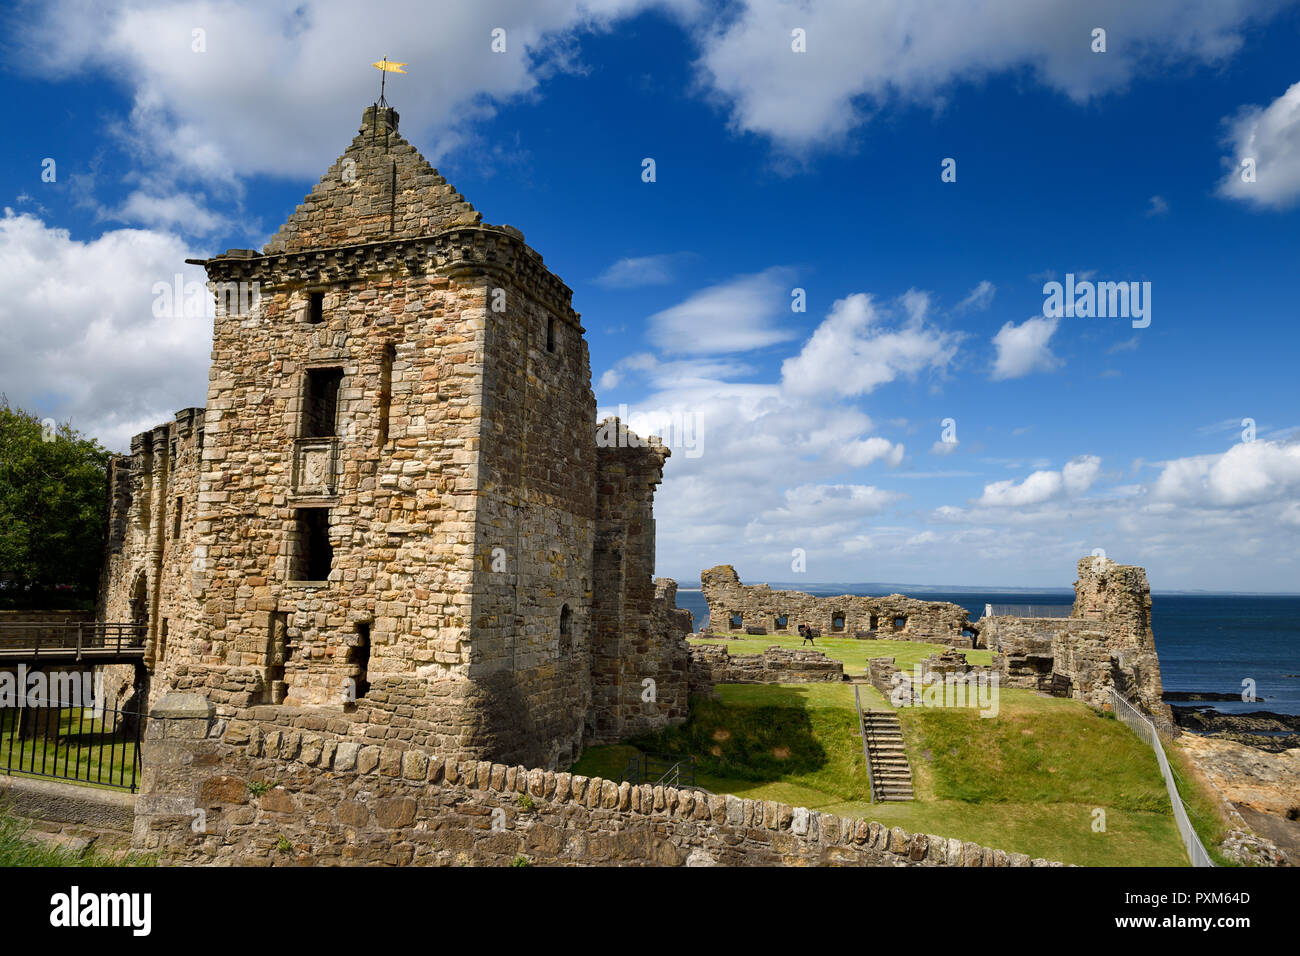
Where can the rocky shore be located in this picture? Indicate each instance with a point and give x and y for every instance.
(1261, 729)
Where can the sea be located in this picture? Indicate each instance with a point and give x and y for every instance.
(1206, 642)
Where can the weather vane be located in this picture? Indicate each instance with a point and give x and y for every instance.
(385, 68)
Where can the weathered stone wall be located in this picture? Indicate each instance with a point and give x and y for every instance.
(395, 379)
(894, 617)
(1106, 642)
(327, 800)
(713, 664)
(639, 633)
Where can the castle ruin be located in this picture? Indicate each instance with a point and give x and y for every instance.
(1105, 643)
(394, 509)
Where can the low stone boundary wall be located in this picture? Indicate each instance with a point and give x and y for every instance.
(254, 792)
(713, 664)
(87, 814)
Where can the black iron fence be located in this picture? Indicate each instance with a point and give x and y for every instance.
(95, 745)
(661, 770)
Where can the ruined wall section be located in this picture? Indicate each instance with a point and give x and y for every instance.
(151, 524)
(713, 664)
(639, 634)
(1106, 642)
(894, 617)
(1117, 600)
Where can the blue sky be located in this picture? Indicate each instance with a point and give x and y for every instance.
(816, 432)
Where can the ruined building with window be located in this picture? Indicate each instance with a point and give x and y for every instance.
(393, 510)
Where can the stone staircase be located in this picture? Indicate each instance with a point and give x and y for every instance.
(889, 768)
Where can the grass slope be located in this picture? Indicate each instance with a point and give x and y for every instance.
(1029, 780)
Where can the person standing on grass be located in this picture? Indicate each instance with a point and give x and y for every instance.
(807, 633)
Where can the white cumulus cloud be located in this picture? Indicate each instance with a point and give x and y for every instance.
(1023, 349)
(1271, 137)
(853, 353)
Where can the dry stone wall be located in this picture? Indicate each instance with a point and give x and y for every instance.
(738, 607)
(271, 787)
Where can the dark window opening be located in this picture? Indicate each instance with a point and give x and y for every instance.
(313, 555)
(837, 622)
(875, 621)
(900, 622)
(176, 519)
(782, 621)
(199, 442)
(162, 641)
(359, 659)
(550, 335)
(566, 630)
(386, 391)
(315, 307)
(737, 622)
(320, 403)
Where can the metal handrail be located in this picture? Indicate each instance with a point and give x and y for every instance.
(33, 640)
(866, 752)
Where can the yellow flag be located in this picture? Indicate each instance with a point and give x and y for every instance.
(389, 67)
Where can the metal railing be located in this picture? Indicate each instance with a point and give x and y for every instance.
(74, 640)
(94, 744)
(1141, 725)
(661, 770)
(1031, 610)
(866, 750)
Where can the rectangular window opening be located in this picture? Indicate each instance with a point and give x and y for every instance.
(320, 402)
(176, 519)
(315, 307)
(550, 335)
(312, 555)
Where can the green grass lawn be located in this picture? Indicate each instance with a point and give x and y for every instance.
(81, 753)
(1027, 780)
(18, 848)
(853, 653)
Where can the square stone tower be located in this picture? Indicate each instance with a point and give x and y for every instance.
(397, 513)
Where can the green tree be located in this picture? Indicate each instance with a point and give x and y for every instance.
(52, 512)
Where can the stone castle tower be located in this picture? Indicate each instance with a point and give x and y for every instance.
(394, 507)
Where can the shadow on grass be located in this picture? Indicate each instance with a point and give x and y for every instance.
(759, 743)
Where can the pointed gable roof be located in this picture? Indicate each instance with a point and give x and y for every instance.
(380, 188)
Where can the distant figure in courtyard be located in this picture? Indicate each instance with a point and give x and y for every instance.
(807, 633)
